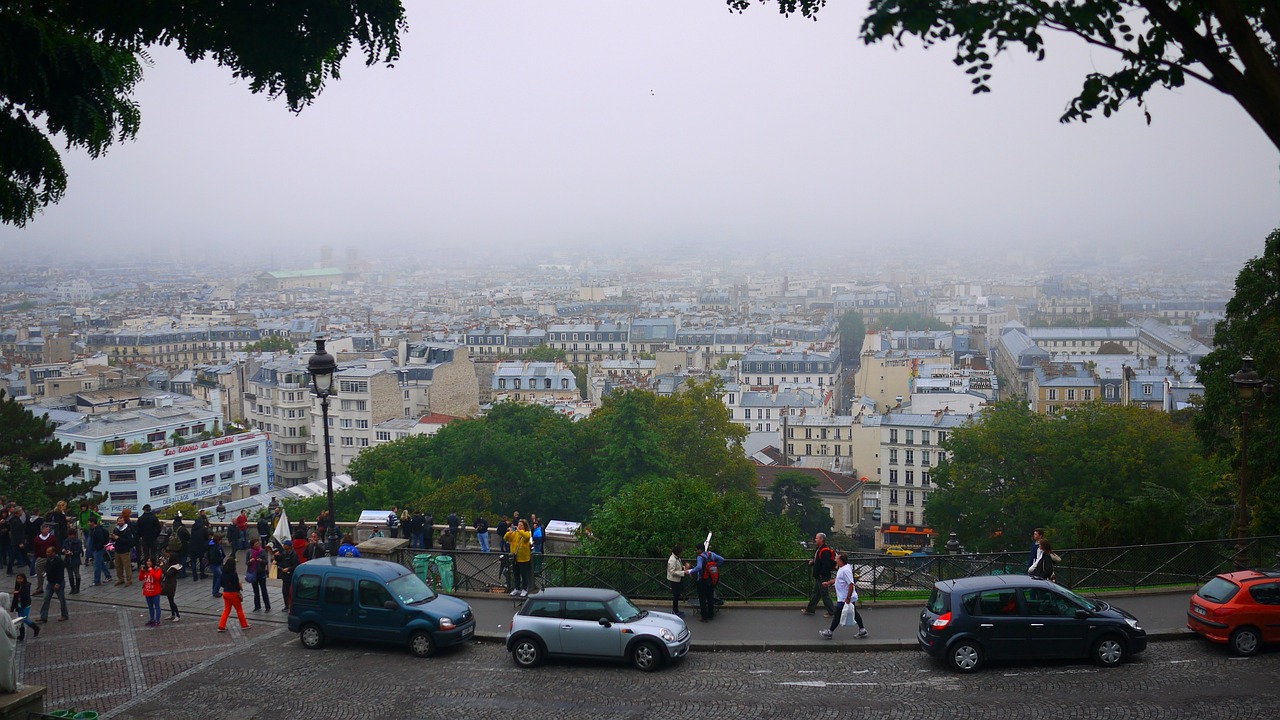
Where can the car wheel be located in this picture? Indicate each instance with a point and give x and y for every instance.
(312, 636)
(422, 644)
(527, 652)
(1108, 651)
(646, 656)
(965, 656)
(1244, 642)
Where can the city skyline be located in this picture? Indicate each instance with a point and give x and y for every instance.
(676, 129)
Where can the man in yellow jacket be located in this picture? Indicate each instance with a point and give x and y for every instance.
(521, 542)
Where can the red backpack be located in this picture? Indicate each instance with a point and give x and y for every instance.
(710, 570)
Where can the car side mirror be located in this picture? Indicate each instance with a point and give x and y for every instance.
(1082, 614)
(391, 605)
(604, 622)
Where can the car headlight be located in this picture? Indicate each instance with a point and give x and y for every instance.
(1133, 624)
(446, 624)
(666, 635)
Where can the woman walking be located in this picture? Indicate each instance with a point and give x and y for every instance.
(169, 585)
(216, 557)
(149, 575)
(21, 604)
(675, 576)
(231, 597)
(255, 573)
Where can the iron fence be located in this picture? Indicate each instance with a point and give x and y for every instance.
(878, 577)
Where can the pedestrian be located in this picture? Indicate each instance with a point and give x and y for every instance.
(1036, 536)
(286, 561)
(97, 540)
(73, 553)
(501, 529)
(823, 563)
(199, 547)
(520, 540)
(216, 556)
(315, 549)
(44, 542)
(393, 523)
(231, 595)
(60, 520)
(299, 544)
(482, 533)
(846, 599)
(428, 531)
(264, 526)
(148, 528)
(348, 547)
(21, 604)
(17, 539)
(414, 528)
(169, 586)
(180, 542)
(707, 574)
(1042, 566)
(56, 579)
(242, 531)
(447, 541)
(255, 573)
(123, 540)
(676, 569)
(149, 575)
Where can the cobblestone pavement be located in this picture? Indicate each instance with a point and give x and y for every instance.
(106, 661)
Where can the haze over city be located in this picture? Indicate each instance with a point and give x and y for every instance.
(510, 130)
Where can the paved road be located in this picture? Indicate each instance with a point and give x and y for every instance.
(104, 659)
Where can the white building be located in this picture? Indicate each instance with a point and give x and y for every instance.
(910, 447)
(164, 455)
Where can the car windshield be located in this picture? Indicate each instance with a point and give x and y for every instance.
(624, 610)
(411, 590)
(939, 602)
(1218, 590)
(1084, 602)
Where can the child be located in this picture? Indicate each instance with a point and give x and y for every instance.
(150, 576)
(21, 604)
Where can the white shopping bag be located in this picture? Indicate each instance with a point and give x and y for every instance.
(846, 616)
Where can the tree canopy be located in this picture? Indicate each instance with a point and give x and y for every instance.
(1229, 45)
(1097, 475)
(1250, 327)
(792, 496)
(31, 470)
(853, 332)
(69, 70)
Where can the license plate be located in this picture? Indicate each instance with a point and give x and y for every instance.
(1199, 610)
(468, 630)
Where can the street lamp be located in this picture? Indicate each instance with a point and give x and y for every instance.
(322, 366)
(1247, 383)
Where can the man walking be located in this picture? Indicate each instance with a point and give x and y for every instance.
(124, 538)
(823, 563)
(97, 539)
(55, 577)
(40, 546)
(846, 595)
(482, 533)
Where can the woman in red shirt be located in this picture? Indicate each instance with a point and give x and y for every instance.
(150, 576)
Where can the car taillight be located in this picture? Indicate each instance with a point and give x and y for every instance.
(941, 621)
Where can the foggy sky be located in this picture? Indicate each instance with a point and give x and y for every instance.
(557, 128)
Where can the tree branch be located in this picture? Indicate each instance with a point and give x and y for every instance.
(1124, 52)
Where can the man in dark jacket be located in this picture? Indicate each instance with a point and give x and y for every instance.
(199, 549)
(823, 563)
(55, 578)
(97, 539)
(17, 539)
(124, 538)
(286, 561)
(148, 528)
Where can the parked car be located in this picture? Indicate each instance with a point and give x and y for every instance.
(1241, 609)
(970, 621)
(896, 551)
(363, 599)
(595, 624)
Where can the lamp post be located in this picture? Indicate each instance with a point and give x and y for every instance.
(322, 366)
(1247, 383)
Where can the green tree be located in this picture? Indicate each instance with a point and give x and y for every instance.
(271, 343)
(1250, 327)
(544, 353)
(908, 321)
(646, 518)
(30, 459)
(792, 497)
(1095, 476)
(69, 70)
(630, 446)
(853, 331)
(1229, 45)
(700, 439)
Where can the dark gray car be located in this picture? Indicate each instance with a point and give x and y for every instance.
(595, 624)
(970, 621)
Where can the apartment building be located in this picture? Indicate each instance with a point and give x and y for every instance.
(173, 348)
(534, 382)
(910, 446)
(365, 395)
(278, 400)
(585, 342)
(164, 455)
(1057, 386)
(438, 377)
(837, 443)
(783, 367)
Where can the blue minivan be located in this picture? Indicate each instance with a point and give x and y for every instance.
(361, 599)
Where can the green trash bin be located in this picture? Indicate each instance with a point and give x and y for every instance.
(444, 564)
(85, 715)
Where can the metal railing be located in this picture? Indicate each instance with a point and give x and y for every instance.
(878, 577)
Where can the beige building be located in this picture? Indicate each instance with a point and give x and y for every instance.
(840, 494)
(886, 376)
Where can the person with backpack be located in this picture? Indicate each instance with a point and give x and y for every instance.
(707, 573)
(823, 563)
(169, 586)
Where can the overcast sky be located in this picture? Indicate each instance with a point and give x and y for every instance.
(556, 127)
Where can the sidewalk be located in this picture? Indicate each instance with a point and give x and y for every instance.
(736, 627)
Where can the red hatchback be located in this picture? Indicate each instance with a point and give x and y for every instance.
(1241, 609)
